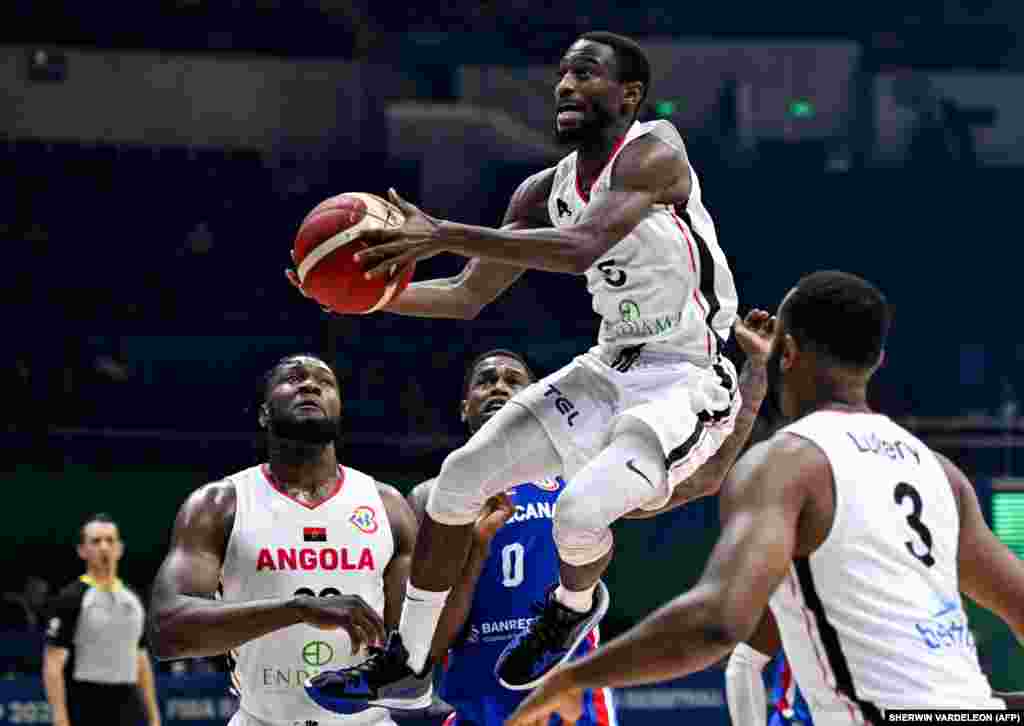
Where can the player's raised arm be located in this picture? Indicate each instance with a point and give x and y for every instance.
(989, 572)
(184, 620)
(461, 296)
(481, 281)
(646, 172)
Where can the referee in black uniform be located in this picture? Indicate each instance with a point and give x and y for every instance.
(95, 667)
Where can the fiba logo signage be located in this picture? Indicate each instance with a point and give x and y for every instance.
(365, 520)
(317, 653)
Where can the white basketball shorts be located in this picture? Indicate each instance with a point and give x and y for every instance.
(691, 409)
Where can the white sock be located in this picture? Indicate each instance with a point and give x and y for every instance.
(420, 613)
(579, 600)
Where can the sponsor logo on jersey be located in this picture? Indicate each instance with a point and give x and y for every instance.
(563, 208)
(365, 519)
(314, 534)
(565, 407)
(551, 484)
(640, 326)
(307, 558)
(497, 630)
(317, 653)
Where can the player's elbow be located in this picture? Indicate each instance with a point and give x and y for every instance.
(591, 242)
(725, 625)
(471, 309)
(164, 640)
(585, 258)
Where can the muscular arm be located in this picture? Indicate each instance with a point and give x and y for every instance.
(645, 172)
(989, 572)
(707, 480)
(481, 281)
(761, 502)
(396, 574)
(184, 620)
(461, 297)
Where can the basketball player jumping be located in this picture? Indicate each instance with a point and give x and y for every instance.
(627, 421)
(310, 559)
(858, 536)
(513, 559)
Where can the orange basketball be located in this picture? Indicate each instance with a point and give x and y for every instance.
(324, 246)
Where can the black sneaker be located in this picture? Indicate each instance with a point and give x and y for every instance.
(383, 680)
(548, 642)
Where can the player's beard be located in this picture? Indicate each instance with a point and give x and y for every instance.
(317, 431)
(587, 132)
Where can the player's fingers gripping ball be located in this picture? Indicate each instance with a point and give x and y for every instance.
(323, 252)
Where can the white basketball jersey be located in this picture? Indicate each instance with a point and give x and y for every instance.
(873, 620)
(280, 547)
(667, 283)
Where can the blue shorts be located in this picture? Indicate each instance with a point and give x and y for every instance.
(598, 710)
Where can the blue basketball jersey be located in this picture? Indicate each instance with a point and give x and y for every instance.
(788, 705)
(522, 565)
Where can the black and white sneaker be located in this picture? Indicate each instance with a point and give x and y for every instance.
(384, 680)
(548, 642)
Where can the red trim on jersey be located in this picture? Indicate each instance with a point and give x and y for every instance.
(601, 713)
(693, 268)
(585, 196)
(785, 680)
(450, 720)
(277, 487)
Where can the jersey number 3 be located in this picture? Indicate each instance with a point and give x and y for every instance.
(907, 491)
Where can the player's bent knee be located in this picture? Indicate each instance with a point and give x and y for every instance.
(456, 498)
(580, 533)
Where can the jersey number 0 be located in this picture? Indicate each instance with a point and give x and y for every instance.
(513, 564)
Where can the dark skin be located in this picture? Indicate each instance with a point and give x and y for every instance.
(647, 171)
(777, 504)
(185, 621)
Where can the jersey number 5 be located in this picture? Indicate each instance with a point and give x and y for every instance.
(907, 491)
(613, 275)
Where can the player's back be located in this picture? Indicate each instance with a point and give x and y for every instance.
(873, 619)
(280, 547)
(523, 564)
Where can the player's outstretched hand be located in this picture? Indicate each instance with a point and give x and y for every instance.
(394, 249)
(754, 334)
(496, 511)
(349, 612)
(552, 696)
(293, 278)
